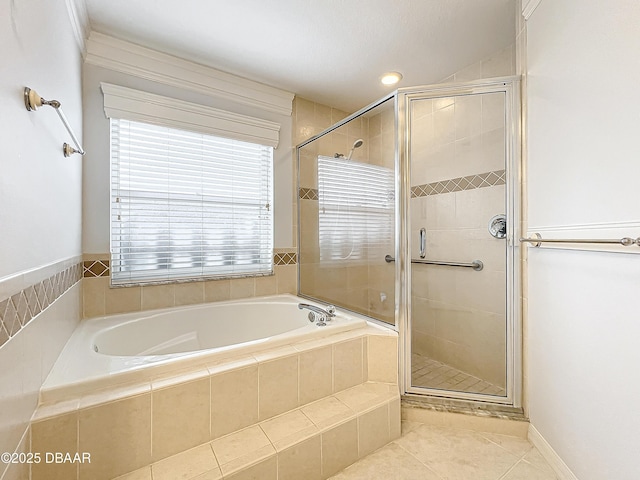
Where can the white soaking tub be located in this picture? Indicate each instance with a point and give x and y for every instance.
(123, 349)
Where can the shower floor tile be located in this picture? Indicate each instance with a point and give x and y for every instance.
(427, 372)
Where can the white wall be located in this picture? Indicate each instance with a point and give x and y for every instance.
(583, 170)
(40, 190)
(40, 200)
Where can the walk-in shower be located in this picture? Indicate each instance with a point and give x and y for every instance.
(416, 228)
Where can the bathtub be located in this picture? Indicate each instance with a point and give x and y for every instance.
(115, 350)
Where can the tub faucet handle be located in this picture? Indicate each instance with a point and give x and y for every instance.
(331, 310)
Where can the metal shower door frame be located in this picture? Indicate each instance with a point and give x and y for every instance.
(510, 86)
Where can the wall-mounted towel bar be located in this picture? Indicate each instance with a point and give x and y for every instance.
(537, 241)
(32, 101)
(477, 265)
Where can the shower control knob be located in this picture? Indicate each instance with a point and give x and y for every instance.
(498, 226)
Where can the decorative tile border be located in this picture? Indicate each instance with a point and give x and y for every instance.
(20, 308)
(290, 258)
(101, 268)
(95, 268)
(481, 180)
(308, 193)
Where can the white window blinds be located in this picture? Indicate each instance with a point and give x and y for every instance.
(356, 205)
(187, 205)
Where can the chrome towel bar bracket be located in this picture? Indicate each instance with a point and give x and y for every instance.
(537, 241)
(32, 101)
(477, 265)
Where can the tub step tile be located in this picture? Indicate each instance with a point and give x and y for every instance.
(188, 465)
(367, 396)
(242, 450)
(312, 442)
(327, 412)
(289, 429)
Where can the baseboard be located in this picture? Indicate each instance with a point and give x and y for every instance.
(553, 459)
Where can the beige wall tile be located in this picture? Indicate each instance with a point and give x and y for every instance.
(118, 435)
(157, 296)
(57, 434)
(188, 293)
(217, 290)
(339, 447)
(301, 461)
(287, 278)
(234, 400)
(347, 364)
(242, 287)
(382, 358)
(315, 374)
(266, 285)
(180, 418)
(93, 296)
(278, 386)
(373, 430)
(123, 300)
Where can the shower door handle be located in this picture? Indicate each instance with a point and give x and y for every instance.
(423, 242)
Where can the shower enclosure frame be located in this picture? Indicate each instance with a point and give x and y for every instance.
(510, 86)
(402, 97)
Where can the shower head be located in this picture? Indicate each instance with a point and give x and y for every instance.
(357, 144)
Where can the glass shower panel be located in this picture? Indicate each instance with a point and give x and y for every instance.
(346, 214)
(458, 324)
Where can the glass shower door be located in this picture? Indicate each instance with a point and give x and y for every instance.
(346, 214)
(457, 154)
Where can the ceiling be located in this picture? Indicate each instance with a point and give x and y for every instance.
(329, 51)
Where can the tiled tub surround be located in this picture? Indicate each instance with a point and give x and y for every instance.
(304, 410)
(107, 352)
(100, 299)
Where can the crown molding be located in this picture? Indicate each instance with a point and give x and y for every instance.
(136, 105)
(119, 55)
(528, 7)
(79, 18)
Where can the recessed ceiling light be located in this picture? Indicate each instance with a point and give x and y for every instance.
(390, 78)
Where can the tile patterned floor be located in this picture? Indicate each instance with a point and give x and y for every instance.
(428, 452)
(426, 372)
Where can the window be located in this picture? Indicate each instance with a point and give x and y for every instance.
(356, 209)
(188, 205)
